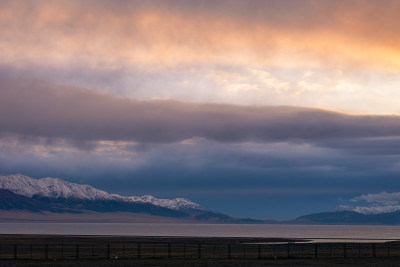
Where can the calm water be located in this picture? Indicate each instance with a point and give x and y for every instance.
(316, 232)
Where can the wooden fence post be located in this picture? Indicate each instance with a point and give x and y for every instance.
(139, 250)
(316, 250)
(214, 249)
(273, 246)
(388, 249)
(15, 251)
(199, 250)
(373, 250)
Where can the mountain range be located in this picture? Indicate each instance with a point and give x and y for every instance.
(19, 192)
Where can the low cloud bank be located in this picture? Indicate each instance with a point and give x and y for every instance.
(38, 108)
(383, 197)
(375, 203)
(369, 209)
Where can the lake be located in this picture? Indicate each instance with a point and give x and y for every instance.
(318, 233)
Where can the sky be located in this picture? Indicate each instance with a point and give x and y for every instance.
(264, 109)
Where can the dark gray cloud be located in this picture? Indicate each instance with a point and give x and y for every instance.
(39, 108)
(365, 146)
(43, 109)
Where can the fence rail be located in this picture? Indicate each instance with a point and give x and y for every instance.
(132, 250)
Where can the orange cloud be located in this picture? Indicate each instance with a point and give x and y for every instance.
(101, 35)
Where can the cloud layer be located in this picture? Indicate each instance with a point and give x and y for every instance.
(44, 109)
(174, 32)
(265, 52)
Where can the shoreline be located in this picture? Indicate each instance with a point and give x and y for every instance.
(35, 238)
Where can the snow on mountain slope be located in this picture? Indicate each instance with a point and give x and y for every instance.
(50, 187)
(57, 188)
(175, 204)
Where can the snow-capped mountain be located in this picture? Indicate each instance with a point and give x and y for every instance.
(58, 188)
(175, 204)
(49, 187)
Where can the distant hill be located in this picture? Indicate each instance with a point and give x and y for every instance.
(349, 217)
(19, 192)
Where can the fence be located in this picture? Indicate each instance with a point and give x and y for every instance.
(131, 250)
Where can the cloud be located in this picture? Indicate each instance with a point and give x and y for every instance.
(383, 202)
(383, 197)
(369, 209)
(164, 33)
(39, 108)
(176, 49)
(369, 146)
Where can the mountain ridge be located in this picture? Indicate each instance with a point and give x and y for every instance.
(19, 192)
(57, 188)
